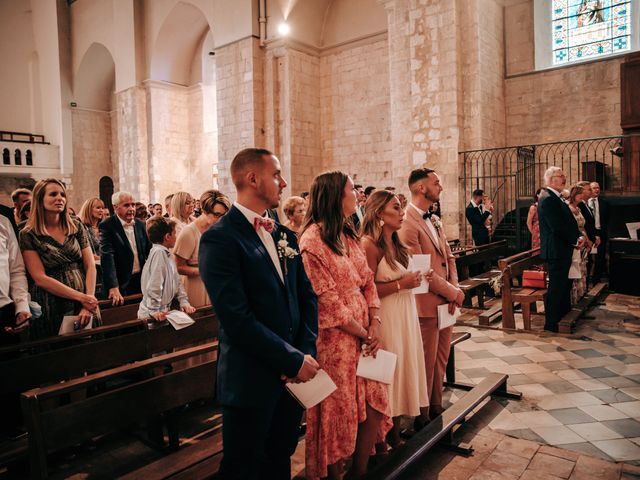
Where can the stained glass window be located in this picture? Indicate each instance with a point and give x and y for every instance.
(583, 29)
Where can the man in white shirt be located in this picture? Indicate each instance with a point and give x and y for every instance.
(124, 248)
(14, 313)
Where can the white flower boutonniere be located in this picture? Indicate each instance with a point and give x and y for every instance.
(436, 222)
(285, 251)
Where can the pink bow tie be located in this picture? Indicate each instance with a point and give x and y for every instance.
(266, 223)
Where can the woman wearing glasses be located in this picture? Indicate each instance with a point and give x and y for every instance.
(214, 205)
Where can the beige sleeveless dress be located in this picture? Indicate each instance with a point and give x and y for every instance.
(400, 334)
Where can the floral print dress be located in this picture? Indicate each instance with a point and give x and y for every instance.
(346, 290)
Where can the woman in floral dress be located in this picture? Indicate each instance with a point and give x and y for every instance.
(579, 287)
(349, 421)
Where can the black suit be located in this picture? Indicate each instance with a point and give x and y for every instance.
(558, 234)
(266, 328)
(602, 232)
(116, 255)
(477, 220)
(590, 228)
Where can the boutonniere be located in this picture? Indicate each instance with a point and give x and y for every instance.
(435, 220)
(285, 251)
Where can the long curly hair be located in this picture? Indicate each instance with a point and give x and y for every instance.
(371, 227)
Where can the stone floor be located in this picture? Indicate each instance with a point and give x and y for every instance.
(579, 417)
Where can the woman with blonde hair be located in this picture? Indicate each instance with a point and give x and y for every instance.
(214, 206)
(181, 210)
(389, 259)
(91, 214)
(579, 287)
(348, 422)
(58, 257)
(294, 209)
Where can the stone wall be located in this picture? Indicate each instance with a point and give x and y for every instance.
(354, 113)
(92, 158)
(240, 97)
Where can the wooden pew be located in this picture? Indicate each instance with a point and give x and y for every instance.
(485, 256)
(54, 425)
(92, 351)
(403, 458)
(512, 268)
(111, 314)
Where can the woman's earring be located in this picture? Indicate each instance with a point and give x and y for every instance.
(382, 223)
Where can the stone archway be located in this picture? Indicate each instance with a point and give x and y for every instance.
(93, 89)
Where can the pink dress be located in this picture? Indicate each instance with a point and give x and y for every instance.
(346, 290)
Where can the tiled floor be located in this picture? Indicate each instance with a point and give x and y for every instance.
(580, 392)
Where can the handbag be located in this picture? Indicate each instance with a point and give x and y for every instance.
(575, 272)
(534, 278)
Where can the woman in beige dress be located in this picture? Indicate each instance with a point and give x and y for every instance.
(181, 210)
(579, 287)
(214, 205)
(400, 333)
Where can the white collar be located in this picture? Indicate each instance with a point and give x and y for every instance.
(159, 246)
(421, 212)
(474, 204)
(559, 194)
(249, 214)
(125, 224)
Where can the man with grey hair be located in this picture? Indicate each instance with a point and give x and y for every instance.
(125, 248)
(559, 236)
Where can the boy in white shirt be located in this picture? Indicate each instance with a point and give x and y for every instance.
(160, 282)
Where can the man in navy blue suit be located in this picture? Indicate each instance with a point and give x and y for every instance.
(559, 236)
(477, 217)
(268, 317)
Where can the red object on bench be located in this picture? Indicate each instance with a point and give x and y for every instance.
(534, 279)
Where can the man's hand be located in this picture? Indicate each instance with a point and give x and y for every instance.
(308, 370)
(459, 299)
(188, 309)
(115, 297)
(452, 307)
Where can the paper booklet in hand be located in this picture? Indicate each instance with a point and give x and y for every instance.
(309, 394)
(421, 263)
(381, 369)
(67, 325)
(179, 319)
(445, 319)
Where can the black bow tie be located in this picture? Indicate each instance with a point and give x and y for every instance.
(427, 215)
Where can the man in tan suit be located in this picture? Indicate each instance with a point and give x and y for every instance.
(423, 233)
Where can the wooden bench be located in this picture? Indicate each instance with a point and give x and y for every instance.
(402, 459)
(512, 268)
(569, 321)
(87, 352)
(111, 314)
(56, 419)
(484, 256)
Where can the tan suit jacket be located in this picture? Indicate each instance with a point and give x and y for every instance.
(443, 287)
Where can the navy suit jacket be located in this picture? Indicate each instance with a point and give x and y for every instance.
(266, 326)
(558, 227)
(476, 219)
(116, 255)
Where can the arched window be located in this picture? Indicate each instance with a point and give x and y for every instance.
(17, 157)
(29, 158)
(6, 157)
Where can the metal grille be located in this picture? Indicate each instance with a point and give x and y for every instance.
(511, 175)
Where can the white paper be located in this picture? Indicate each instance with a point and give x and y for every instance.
(421, 263)
(633, 229)
(179, 319)
(311, 393)
(67, 324)
(445, 319)
(381, 369)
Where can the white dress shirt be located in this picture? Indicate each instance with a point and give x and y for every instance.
(595, 208)
(265, 237)
(160, 283)
(13, 279)
(130, 232)
(429, 223)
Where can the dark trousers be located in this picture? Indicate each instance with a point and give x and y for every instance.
(481, 240)
(558, 302)
(10, 413)
(600, 258)
(133, 287)
(258, 442)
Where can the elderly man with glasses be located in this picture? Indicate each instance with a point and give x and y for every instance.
(559, 236)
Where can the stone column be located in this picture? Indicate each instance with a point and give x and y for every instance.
(240, 98)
